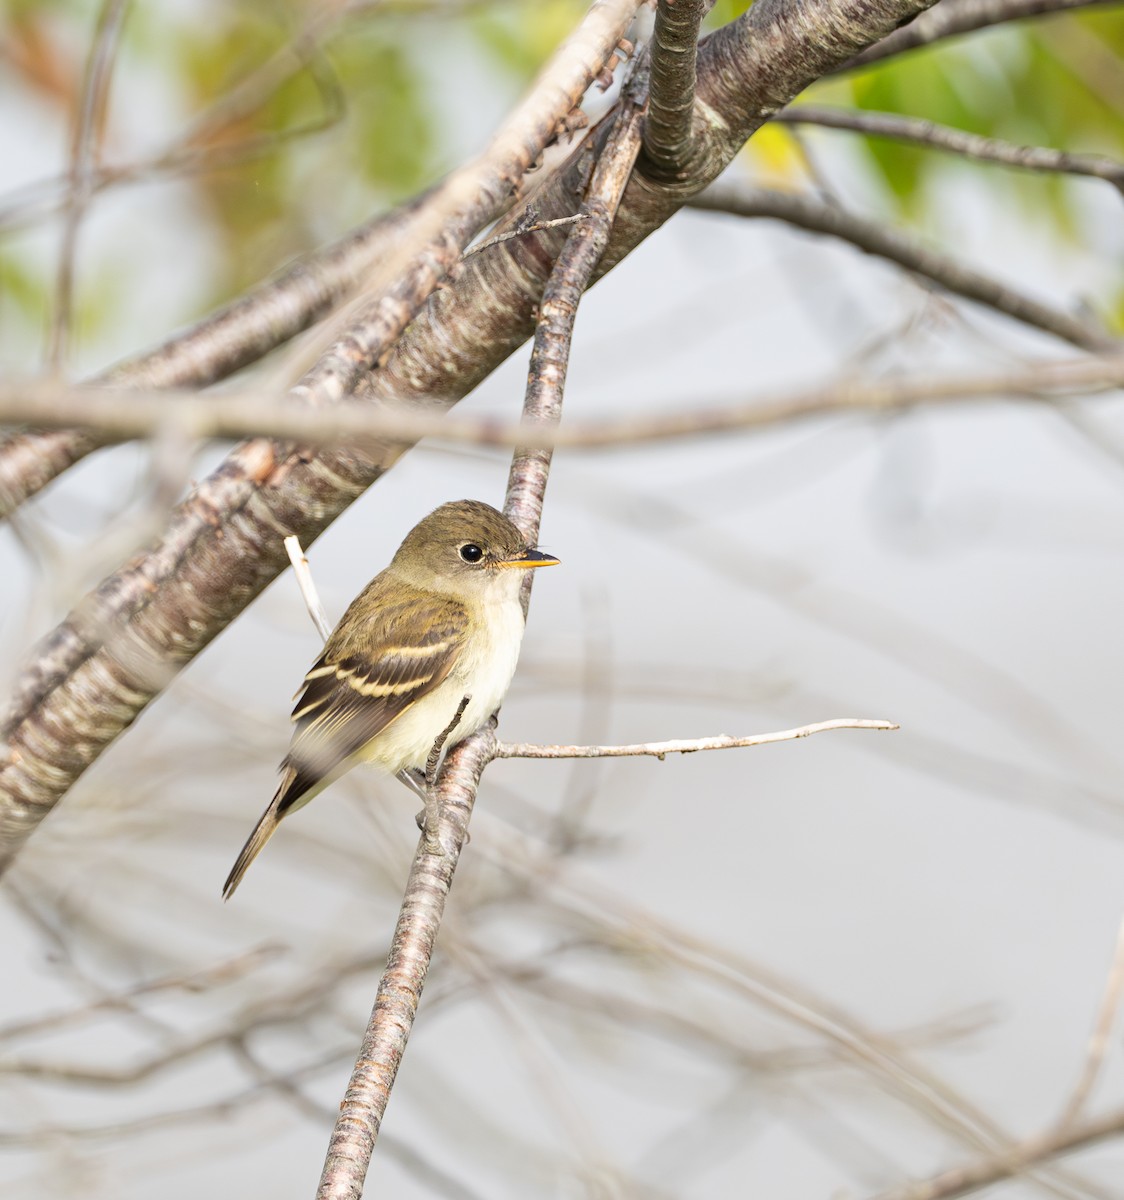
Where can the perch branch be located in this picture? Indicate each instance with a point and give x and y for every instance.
(353, 1138)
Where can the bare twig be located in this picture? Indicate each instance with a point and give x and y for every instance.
(361, 1113)
(660, 750)
(83, 153)
(875, 237)
(522, 231)
(949, 20)
(671, 101)
(1018, 1159)
(955, 141)
(1102, 1031)
(139, 414)
(307, 586)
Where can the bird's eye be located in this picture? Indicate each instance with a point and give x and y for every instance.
(471, 553)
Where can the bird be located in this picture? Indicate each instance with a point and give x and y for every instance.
(442, 622)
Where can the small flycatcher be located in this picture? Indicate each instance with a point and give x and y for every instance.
(442, 622)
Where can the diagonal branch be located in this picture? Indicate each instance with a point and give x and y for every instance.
(955, 141)
(955, 17)
(671, 98)
(1012, 1161)
(431, 876)
(223, 544)
(876, 238)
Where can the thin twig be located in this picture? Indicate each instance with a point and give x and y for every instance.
(875, 237)
(1017, 1159)
(955, 141)
(131, 413)
(522, 231)
(660, 750)
(83, 153)
(951, 19)
(308, 587)
(1102, 1031)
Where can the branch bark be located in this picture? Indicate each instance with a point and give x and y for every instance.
(224, 543)
(671, 100)
(431, 876)
(955, 141)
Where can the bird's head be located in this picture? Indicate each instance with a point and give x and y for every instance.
(465, 548)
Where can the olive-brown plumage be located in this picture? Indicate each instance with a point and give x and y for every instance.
(442, 622)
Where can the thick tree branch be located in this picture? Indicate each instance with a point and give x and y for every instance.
(671, 99)
(392, 1018)
(223, 545)
(660, 750)
(955, 141)
(875, 237)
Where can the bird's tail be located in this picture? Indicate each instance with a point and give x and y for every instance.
(263, 831)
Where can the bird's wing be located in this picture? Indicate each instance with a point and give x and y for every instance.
(366, 678)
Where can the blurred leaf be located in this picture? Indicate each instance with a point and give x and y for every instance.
(725, 11)
(522, 37)
(21, 287)
(1057, 84)
(390, 130)
(778, 155)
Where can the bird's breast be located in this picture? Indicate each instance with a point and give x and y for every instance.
(483, 671)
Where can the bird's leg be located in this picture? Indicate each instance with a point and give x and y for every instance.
(430, 817)
(414, 780)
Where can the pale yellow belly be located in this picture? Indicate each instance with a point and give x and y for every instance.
(484, 673)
